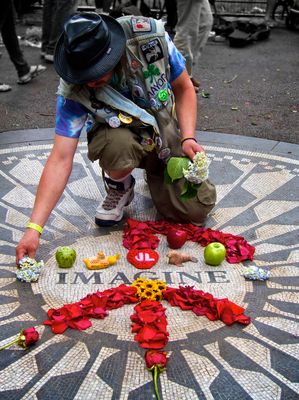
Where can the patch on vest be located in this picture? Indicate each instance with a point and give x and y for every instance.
(141, 25)
(152, 51)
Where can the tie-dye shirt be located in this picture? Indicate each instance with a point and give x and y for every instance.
(71, 116)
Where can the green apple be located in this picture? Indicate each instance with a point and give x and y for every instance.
(214, 253)
(65, 256)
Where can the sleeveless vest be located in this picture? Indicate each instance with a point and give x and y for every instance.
(147, 73)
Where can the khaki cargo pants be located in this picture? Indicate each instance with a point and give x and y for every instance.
(120, 148)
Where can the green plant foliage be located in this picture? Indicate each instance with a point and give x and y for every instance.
(190, 193)
(175, 167)
(167, 178)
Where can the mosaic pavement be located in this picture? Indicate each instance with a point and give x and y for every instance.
(258, 198)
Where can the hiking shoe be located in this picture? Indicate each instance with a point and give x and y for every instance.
(49, 58)
(195, 82)
(111, 210)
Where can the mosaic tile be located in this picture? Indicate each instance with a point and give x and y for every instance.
(258, 198)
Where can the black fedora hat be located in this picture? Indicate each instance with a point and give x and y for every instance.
(89, 47)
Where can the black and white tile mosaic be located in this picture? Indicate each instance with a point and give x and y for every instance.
(258, 198)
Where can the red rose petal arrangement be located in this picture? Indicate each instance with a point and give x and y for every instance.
(205, 304)
(77, 315)
(150, 325)
(140, 235)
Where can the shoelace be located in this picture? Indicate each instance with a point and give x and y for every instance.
(112, 199)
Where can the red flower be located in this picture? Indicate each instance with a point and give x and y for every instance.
(26, 338)
(154, 357)
(31, 336)
(156, 361)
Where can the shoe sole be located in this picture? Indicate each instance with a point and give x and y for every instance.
(103, 222)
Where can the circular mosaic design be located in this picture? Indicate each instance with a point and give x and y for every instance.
(258, 198)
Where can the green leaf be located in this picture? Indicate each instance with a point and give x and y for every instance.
(235, 108)
(185, 187)
(253, 123)
(196, 186)
(191, 192)
(167, 178)
(206, 95)
(175, 167)
(15, 125)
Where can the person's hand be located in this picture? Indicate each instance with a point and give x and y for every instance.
(190, 148)
(27, 245)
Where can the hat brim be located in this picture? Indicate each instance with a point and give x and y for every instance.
(102, 67)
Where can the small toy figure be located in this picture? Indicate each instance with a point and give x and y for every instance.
(176, 258)
(100, 261)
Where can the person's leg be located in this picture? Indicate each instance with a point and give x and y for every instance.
(187, 29)
(167, 198)
(172, 14)
(64, 9)
(49, 8)
(119, 151)
(99, 6)
(205, 26)
(269, 9)
(107, 4)
(10, 38)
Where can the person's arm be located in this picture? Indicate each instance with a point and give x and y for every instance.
(186, 110)
(52, 184)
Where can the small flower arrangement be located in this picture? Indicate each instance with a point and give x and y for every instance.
(194, 173)
(27, 337)
(149, 290)
(255, 273)
(29, 269)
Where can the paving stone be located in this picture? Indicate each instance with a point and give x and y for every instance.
(258, 198)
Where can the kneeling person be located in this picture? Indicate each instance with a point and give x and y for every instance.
(125, 80)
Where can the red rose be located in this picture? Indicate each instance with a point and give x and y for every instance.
(31, 336)
(26, 337)
(156, 358)
(156, 361)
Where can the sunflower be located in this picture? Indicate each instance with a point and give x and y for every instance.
(137, 284)
(157, 296)
(139, 280)
(139, 293)
(149, 285)
(148, 293)
(161, 285)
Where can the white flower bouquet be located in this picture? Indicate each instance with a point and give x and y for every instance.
(194, 173)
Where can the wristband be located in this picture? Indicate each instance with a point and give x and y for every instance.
(35, 226)
(188, 138)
